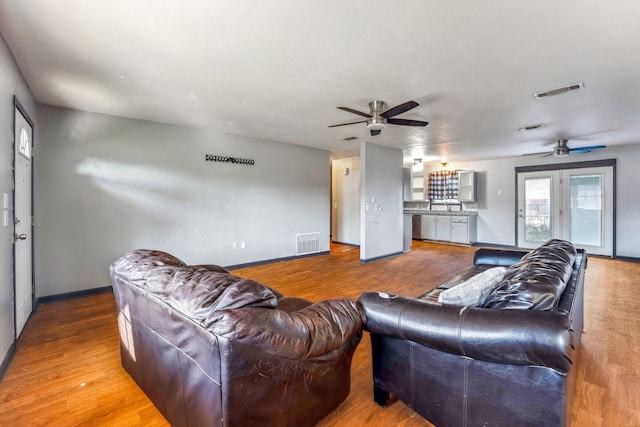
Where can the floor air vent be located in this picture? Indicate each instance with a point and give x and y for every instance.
(308, 243)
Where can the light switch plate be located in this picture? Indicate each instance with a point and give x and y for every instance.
(5, 200)
(5, 218)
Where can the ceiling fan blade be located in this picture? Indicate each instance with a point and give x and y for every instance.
(399, 109)
(587, 149)
(360, 113)
(406, 122)
(345, 124)
(375, 132)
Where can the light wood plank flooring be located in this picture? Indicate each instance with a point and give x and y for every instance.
(67, 371)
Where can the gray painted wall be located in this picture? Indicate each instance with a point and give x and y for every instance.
(381, 218)
(11, 83)
(107, 185)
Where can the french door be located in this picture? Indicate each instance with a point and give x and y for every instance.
(569, 204)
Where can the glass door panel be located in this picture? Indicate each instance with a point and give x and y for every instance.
(537, 211)
(586, 210)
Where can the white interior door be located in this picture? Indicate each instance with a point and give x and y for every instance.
(569, 204)
(22, 220)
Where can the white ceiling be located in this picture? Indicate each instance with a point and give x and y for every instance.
(278, 69)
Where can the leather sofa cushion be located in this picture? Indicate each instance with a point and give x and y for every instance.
(197, 291)
(311, 331)
(136, 264)
(538, 280)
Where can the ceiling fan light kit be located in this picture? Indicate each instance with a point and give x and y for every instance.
(376, 123)
(378, 116)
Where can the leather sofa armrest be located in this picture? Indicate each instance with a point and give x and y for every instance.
(518, 337)
(312, 331)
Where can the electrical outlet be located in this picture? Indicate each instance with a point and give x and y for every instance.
(235, 245)
(243, 245)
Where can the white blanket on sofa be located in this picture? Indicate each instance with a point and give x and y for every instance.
(474, 290)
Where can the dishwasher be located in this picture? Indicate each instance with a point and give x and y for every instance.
(459, 229)
(416, 227)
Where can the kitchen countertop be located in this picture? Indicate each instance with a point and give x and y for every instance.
(439, 212)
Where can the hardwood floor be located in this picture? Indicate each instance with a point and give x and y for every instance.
(67, 371)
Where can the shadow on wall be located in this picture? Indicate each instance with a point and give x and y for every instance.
(151, 189)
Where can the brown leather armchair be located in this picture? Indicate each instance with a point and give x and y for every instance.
(210, 348)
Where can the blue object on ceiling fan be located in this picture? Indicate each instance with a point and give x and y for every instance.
(586, 149)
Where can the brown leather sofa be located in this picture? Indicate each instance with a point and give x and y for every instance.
(212, 349)
(511, 361)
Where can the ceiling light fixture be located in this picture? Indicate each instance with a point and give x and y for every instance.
(376, 123)
(558, 91)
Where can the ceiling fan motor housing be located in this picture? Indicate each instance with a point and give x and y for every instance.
(376, 121)
(561, 149)
(377, 107)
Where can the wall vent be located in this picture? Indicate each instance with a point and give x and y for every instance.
(308, 243)
(558, 91)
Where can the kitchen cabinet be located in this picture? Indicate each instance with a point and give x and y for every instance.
(467, 186)
(436, 227)
(407, 227)
(446, 228)
(417, 187)
(464, 229)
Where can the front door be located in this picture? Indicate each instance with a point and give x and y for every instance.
(569, 204)
(22, 218)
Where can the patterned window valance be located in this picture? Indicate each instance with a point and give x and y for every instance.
(443, 185)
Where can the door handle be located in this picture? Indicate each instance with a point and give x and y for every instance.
(21, 236)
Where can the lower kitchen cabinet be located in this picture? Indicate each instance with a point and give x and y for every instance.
(436, 227)
(464, 229)
(449, 228)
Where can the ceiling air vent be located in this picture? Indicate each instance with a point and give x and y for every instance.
(532, 127)
(558, 91)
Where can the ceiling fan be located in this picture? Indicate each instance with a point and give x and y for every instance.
(378, 116)
(562, 149)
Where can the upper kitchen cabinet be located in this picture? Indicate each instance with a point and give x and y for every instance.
(467, 186)
(417, 187)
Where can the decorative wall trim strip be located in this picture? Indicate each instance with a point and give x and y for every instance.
(226, 159)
